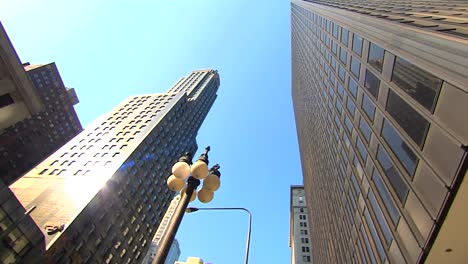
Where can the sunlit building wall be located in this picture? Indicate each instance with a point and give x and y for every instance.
(101, 197)
(380, 97)
(299, 237)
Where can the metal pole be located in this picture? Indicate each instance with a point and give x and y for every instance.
(168, 238)
(247, 249)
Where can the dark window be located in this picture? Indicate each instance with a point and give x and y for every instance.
(417, 83)
(376, 56)
(6, 100)
(344, 36)
(399, 147)
(357, 44)
(395, 178)
(305, 249)
(343, 55)
(372, 83)
(365, 129)
(368, 106)
(386, 197)
(355, 66)
(353, 87)
(414, 124)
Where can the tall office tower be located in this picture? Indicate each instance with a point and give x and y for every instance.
(174, 251)
(36, 112)
(191, 260)
(101, 197)
(36, 118)
(299, 237)
(380, 97)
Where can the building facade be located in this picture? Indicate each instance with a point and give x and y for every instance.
(191, 260)
(101, 197)
(36, 112)
(299, 237)
(174, 251)
(380, 95)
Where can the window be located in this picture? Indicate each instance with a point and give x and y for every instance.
(415, 125)
(417, 83)
(376, 56)
(303, 232)
(340, 90)
(386, 197)
(353, 87)
(380, 218)
(399, 147)
(351, 107)
(5, 100)
(343, 55)
(372, 84)
(302, 224)
(334, 47)
(349, 124)
(375, 236)
(335, 30)
(361, 149)
(395, 178)
(355, 66)
(341, 73)
(302, 217)
(305, 249)
(368, 106)
(365, 129)
(344, 36)
(304, 240)
(357, 44)
(306, 258)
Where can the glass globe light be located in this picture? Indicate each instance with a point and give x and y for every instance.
(212, 182)
(175, 184)
(205, 196)
(181, 170)
(200, 170)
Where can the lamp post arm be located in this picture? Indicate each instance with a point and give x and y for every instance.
(247, 249)
(168, 238)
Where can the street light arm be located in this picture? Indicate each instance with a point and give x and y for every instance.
(247, 250)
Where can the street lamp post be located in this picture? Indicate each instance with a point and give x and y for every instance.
(247, 249)
(183, 172)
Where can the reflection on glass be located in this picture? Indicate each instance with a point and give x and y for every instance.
(340, 90)
(361, 149)
(355, 66)
(357, 44)
(414, 124)
(343, 55)
(349, 124)
(376, 56)
(416, 82)
(368, 246)
(399, 147)
(351, 107)
(386, 197)
(335, 30)
(365, 129)
(339, 106)
(375, 236)
(344, 36)
(372, 84)
(380, 218)
(334, 47)
(368, 106)
(341, 73)
(353, 87)
(395, 178)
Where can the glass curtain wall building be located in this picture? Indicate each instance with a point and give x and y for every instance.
(380, 97)
(101, 197)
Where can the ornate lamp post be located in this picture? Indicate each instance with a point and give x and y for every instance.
(247, 249)
(183, 171)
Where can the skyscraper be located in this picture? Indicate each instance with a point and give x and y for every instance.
(36, 112)
(380, 95)
(174, 252)
(101, 197)
(299, 237)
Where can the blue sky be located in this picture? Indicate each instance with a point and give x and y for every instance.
(109, 50)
